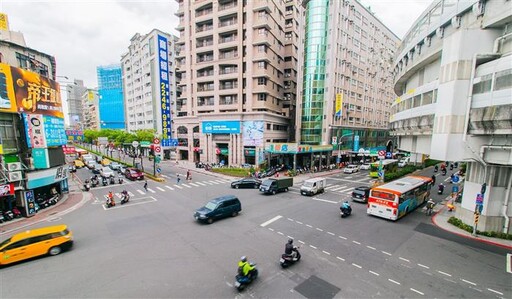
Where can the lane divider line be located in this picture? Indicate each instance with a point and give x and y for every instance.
(271, 220)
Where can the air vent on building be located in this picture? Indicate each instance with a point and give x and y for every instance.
(456, 21)
(14, 166)
(15, 176)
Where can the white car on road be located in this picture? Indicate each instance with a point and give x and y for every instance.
(365, 166)
(351, 169)
(106, 172)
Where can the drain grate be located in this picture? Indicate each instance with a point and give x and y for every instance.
(315, 287)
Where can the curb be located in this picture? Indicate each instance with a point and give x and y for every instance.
(466, 236)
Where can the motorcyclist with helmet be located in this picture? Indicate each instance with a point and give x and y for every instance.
(110, 200)
(289, 249)
(244, 267)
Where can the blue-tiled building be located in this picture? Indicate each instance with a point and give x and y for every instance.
(110, 90)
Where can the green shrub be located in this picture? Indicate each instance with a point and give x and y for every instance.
(292, 172)
(458, 223)
(399, 172)
(236, 172)
(431, 162)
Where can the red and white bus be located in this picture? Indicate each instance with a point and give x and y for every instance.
(395, 199)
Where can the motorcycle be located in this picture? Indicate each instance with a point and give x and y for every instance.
(16, 212)
(440, 189)
(110, 203)
(120, 180)
(345, 211)
(436, 168)
(443, 171)
(8, 215)
(53, 200)
(243, 281)
(104, 181)
(290, 259)
(87, 186)
(94, 182)
(125, 199)
(2, 219)
(112, 180)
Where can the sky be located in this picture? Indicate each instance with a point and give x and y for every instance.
(88, 33)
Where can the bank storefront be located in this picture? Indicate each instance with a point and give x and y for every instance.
(294, 155)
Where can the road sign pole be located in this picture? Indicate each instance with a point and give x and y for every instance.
(477, 216)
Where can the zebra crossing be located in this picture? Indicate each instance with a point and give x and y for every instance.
(343, 189)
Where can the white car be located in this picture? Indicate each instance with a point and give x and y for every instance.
(351, 169)
(365, 166)
(106, 172)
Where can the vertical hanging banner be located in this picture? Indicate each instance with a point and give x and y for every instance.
(165, 103)
(339, 104)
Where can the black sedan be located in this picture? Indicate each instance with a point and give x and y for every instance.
(246, 183)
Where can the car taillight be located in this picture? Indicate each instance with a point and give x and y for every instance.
(394, 212)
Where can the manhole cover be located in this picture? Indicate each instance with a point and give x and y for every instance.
(314, 287)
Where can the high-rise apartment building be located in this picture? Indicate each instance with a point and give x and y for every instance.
(90, 110)
(74, 94)
(345, 86)
(453, 76)
(238, 66)
(149, 83)
(110, 91)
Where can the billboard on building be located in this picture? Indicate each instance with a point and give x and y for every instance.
(221, 127)
(27, 92)
(4, 22)
(75, 135)
(165, 103)
(253, 133)
(339, 104)
(43, 131)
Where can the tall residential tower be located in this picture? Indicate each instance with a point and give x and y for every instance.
(110, 90)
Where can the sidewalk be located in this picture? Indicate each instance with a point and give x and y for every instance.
(187, 165)
(440, 219)
(69, 202)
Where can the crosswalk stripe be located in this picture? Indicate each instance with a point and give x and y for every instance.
(117, 195)
(163, 175)
(349, 192)
(193, 184)
(343, 190)
(140, 191)
(130, 193)
(186, 185)
(338, 188)
(214, 182)
(179, 187)
(170, 188)
(200, 183)
(161, 189)
(221, 181)
(151, 190)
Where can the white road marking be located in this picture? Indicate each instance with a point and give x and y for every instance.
(312, 246)
(341, 259)
(130, 193)
(494, 291)
(209, 183)
(271, 220)
(338, 188)
(417, 291)
(426, 267)
(328, 253)
(332, 234)
(346, 189)
(386, 253)
(393, 281)
(324, 200)
(280, 233)
(467, 281)
(298, 222)
(356, 242)
(170, 188)
(301, 242)
(214, 182)
(290, 237)
(290, 219)
(319, 229)
(356, 265)
(199, 183)
(151, 190)
(140, 191)
(193, 184)
(444, 273)
(270, 229)
(406, 260)
(185, 185)
(372, 248)
(161, 189)
(374, 273)
(341, 237)
(309, 226)
(177, 186)
(222, 181)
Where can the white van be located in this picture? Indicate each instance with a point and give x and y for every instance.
(313, 186)
(403, 162)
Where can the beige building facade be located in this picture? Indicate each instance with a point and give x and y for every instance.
(237, 65)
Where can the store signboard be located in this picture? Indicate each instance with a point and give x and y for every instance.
(7, 189)
(46, 177)
(221, 127)
(252, 133)
(165, 102)
(41, 159)
(43, 131)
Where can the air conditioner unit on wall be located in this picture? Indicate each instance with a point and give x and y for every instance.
(14, 166)
(15, 176)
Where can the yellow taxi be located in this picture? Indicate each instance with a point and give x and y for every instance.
(50, 240)
(105, 162)
(78, 163)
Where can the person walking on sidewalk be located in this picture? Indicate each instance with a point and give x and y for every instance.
(189, 177)
(146, 185)
(178, 178)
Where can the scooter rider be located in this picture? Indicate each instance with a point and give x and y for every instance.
(244, 268)
(430, 206)
(289, 249)
(110, 199)
(345, 207)
(441, 188)
(126, 196)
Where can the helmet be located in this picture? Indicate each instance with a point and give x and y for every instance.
(243, 258)
(290, 241)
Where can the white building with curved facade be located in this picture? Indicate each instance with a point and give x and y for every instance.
(453, 76)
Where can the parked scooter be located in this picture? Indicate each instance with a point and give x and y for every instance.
(290, 259)
(16, 212)
(242, 281)
(345, 209)
(53, 200)
(8, 215)
(2, 219)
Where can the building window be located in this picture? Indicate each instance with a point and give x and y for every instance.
(262, 65)
(262, 96)
(262, 81)
(503, 80)
(262, 49)
(228, 100)
(484, 85)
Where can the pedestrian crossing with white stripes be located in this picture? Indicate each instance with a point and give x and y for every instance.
(344, 189)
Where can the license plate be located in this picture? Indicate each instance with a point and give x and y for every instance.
(237, 284)
(281, 260)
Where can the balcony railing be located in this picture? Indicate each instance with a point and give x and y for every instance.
(226, 71)
(205, 58)
(228, 22)
(204, 28)
(228, 86)
(204, 12)
(228, 39)
(227, 5)
(228, 55)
